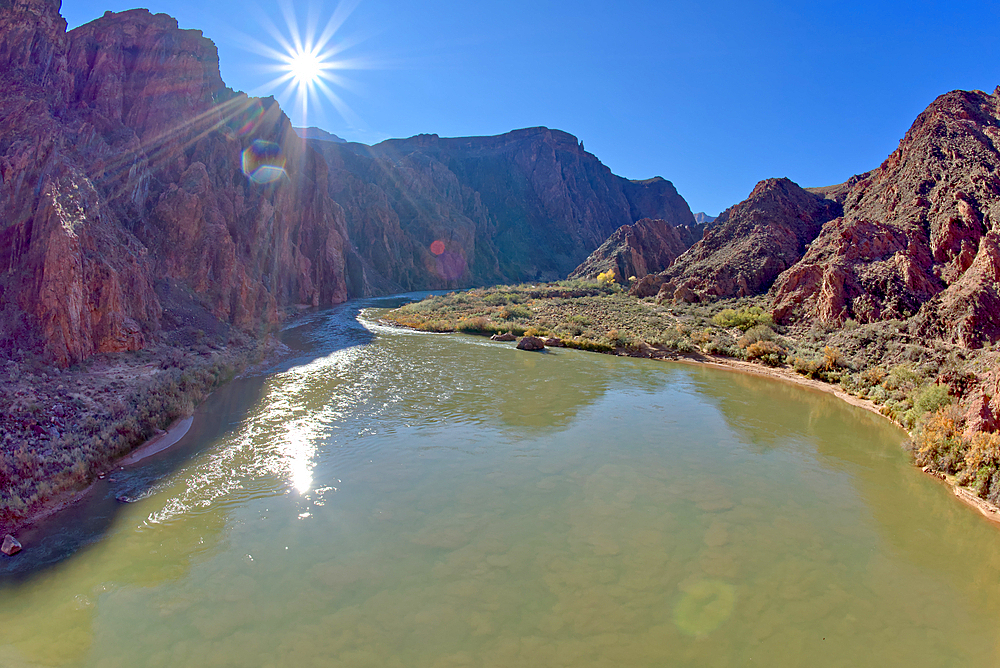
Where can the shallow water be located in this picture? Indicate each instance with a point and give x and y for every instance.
(410, 499)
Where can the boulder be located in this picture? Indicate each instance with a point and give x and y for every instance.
(554, 342)
(531, 343)
(10, 546)
(503, 337)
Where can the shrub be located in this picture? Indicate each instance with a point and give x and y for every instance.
(607, 277)
(756, 334)
(475, 325)
(766, 352)
(743, 319)
(901, 377)
(983, 450)
(809, 368)
(932, 398)
(515, 312)
(832, 359)
(939, 444)
(872, 376)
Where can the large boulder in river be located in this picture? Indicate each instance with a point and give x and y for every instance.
(530, 343)
(10, 546)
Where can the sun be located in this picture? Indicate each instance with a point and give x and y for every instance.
(305, 67)
(308, 60)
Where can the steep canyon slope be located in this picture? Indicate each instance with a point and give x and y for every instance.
(919, 235)
(143, 196)
(916, 239)
(121, 157)
(526, 205)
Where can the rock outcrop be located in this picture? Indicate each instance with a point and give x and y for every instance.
(919, 235)
(11, 546)
(645, 247)
(749, 244)
(531, 343)
(447, 212)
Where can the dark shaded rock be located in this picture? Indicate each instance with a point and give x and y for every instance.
(645, 247)
(10, 546)
(530, 343)
(554, 342)
(530, 204)
(751, 243)
(507, 336)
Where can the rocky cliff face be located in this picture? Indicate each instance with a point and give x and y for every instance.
(647, 247)
(527, 205)
(750, 244)
(919, 235)
(128, 167)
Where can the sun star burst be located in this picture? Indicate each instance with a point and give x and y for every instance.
(309, 61)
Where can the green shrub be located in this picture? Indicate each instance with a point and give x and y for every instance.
(932, 398)
(743, 319)
(756, 334)
(901, 377)
(515, 312)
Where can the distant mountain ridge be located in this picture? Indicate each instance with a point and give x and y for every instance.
(320, 134)
(526, 205)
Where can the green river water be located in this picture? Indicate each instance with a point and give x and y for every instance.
(400, 499)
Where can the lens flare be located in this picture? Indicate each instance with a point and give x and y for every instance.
(263, 162)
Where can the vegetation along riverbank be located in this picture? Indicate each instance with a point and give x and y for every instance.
(61, 428)
(936, 390)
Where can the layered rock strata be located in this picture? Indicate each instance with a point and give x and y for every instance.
(446, 212)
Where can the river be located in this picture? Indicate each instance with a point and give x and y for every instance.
(392, 498)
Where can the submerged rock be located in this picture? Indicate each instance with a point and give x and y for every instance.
(530, 343)
(11, 546)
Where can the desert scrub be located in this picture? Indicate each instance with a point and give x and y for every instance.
(80, 436)
(743, 318)
(766, 352)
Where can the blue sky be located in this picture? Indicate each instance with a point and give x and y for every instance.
(713, 95)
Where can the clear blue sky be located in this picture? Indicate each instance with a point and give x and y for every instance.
(713, 95)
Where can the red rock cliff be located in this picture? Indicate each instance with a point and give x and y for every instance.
(919, 235)
(122, 158)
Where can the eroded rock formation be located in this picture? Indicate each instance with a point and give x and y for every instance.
(646, 247)
(526, 205)
(750, 244)
(919, 234)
